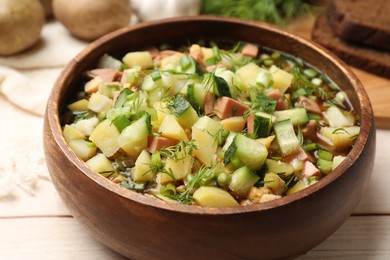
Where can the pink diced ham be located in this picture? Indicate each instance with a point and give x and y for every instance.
(281, 103)
(310, 170)
(107, 75)
(310, 105)
(226, 107)
(156, 143)
(209, 103)
(250, 50)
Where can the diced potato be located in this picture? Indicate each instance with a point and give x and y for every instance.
(142, 170)
(206, 144)
(86, 126)
(170, 128)
(207, 53)
(100, 103)
(99, 163)
(162, 111)
(105, 136)
(235, 123)
(338, 118)
(142, 59)
(274, 183)
(171, 61)
(83, 148)
(300, 185)
(337, 160)
(269, 197)
(266, 140)
(179, 168)
(248, 74)
(209, 125)
(208, 196)
(341, 138)
(134, 138)
(70, 133)
(281, 79)
(79, 105)
(93, 85)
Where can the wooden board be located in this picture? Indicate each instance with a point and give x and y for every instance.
(378, 88)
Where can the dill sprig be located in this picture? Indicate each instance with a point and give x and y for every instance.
(274, 11)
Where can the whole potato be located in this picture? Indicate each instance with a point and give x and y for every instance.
(21, 23)
(90, 19)
(47, 6)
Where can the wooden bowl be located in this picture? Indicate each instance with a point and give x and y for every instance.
(142, 227)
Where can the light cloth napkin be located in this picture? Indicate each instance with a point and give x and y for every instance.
(26, 80)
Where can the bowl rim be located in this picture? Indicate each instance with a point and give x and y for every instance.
(367, 125)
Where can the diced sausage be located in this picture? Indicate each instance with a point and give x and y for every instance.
(213, 67)
(250, 50)
(107, 75)
(115, 96)
(281, 103)
(299, 154)
(209, 103)
(227, 107)
(250, 124)
(163, 54)
(310, 170)
(197, 54)
(153, 51)
(310, 105)
(310, 130)
(156, 143)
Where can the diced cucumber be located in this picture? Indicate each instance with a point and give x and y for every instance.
(234, 82)
(196, 95)
(187, 64)
(285, 136)
(337, 160)
(242, 180)
(133, 138)
(122, 97)
(185, 113)
(264, 103)
(262, 124)
(298, 116)
(245, 151)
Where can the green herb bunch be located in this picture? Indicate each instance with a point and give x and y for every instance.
(278, 12)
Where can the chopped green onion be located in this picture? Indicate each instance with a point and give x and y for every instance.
(185, 62)
(223, 179)
(268, 62)
(155, 75)
(310, 147)
(324, 154)
(311, 73)
(324, 166)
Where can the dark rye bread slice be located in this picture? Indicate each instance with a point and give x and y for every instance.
(361, 21)
(374, 61)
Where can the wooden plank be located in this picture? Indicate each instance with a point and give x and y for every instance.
(378, 88)
(64, 238)
(358, 238)
(49, 238)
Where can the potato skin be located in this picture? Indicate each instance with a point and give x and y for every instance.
(21, 24)
(90, 19)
